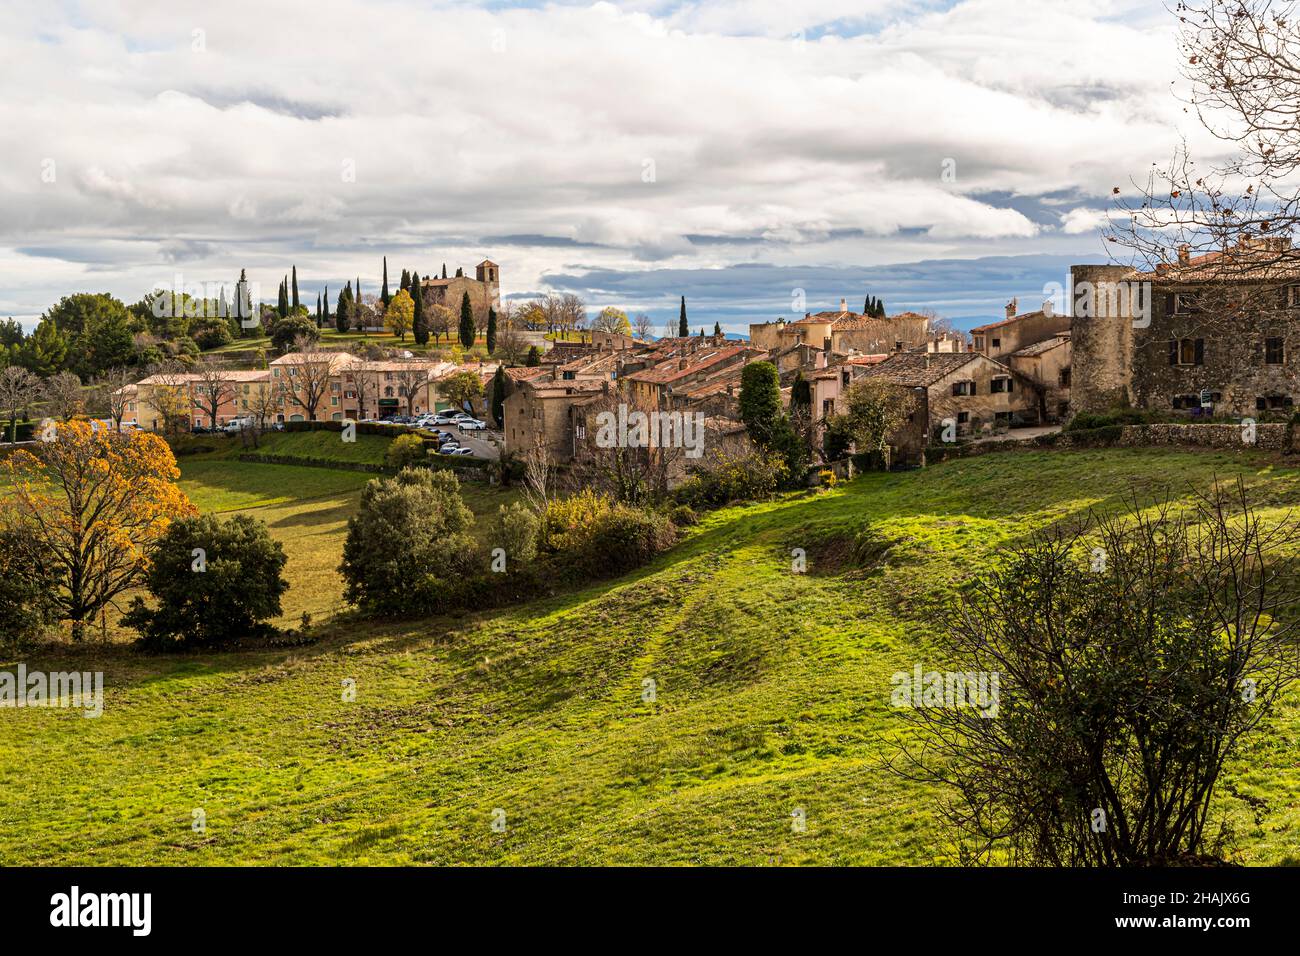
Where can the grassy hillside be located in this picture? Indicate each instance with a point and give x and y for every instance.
(772, 695)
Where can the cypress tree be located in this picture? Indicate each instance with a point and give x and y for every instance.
(318, 318)
(384, 293)
(717, 328)
(325, 308)
(295, 289)
(466, 322)
(419, 327)
(499, 396)
(534, 357)
(405, 284)
(683, 329)
(492, 331)
(444, 270)
(344, 307)
(282, 298)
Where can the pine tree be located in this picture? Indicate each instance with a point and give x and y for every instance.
(683, 329)
(717, 328)
(282, 299)
(492, 331)
(318, 319)
(466, 322)
(444, 270)
(295, 290)
(325, 306)
(534, 357)
(384, 293)
(405, 284)
(866, 306)
(419, 325)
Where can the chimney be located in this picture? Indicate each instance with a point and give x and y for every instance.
(844, 305)
(1184, 255)
(1048, 307)
(1011, 309)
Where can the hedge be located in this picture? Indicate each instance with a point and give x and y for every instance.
(474, 467)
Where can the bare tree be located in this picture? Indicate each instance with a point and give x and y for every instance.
(19, 388)
(168, 394)
(633, 474)
(213, 387)
(1229, 221)
(365, 381)
(64, 395)
(1132, 655)
(115, 384)
(511, 348)
(305, 381)
(264, 405)
(537, 476)
(410, 380)
(570, 312)
(441, 320)
(642, 325)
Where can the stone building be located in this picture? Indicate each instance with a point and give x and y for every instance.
(844, 332)
(484, 290)
(1048, 363)
(997, 340)
(1214, 334)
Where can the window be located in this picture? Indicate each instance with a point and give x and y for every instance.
(1064, 378)
(963, 418)
(1182, 303)
(1273, 402)
(1273, 350)
(1000, 385)
(963, 388)
(1293, 296)
(997, 343)
(1187, 351)
(979, 343)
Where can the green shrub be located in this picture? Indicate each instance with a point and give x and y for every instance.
(684, 516)
(516, 531)
(214, 582)
(625, 538)
(726, 478)
(26, 610)
(569, 522)
(405, 450)
(408, 539)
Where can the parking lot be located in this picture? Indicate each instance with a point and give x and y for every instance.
(480, 442)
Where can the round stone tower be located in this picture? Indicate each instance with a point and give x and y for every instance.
(1101, 337)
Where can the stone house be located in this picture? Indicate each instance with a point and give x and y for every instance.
(998, 340)
(484, 291)
(1048, 363)
(844, 331)
(1213, 334)
(537, 412)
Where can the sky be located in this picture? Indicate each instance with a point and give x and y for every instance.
(761, 158)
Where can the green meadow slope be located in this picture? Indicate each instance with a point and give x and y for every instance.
(772, 695)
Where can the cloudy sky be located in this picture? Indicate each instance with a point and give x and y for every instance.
(940, 155)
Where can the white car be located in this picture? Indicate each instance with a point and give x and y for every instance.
(471, 425)
(461, 451)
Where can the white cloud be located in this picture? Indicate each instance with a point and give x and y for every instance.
(463, 122)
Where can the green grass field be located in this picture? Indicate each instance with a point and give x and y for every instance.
(772, 694)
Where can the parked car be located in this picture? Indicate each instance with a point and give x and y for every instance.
(471, 425)
(236, 425)
(461, 451)
(444, 419)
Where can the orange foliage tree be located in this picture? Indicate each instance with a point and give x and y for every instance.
(88, 506)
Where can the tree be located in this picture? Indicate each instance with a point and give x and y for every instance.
(383, 294)
(874, 410)
(366, 383)
(801, 417)
(19, 388)
(304, 382)
(64, 395)
(511, 348)
(440, 319)
(461, 388)
(45, 350)
(211, 334)
(717, 329)
(642, 325)
(408, 537)
(611, 319)
(1134, 653)
(400, 314)
(760, 403)
(411, 381)
(492, 331)
(683, 329)
(325, 308)
(213, 387)
(27, 608)
(295, 289)
(213, 582)
(282, 298)
(89, 505)
(115, 387)
(419, 323)
(168, 394)
(534, 357)
(286, 332)
(244, 310)
(466, 322)
(406, 281)
(405, 450)
(343, 311)
(499, 392)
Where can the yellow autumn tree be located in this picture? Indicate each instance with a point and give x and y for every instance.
(400, 314)
(88, 506)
